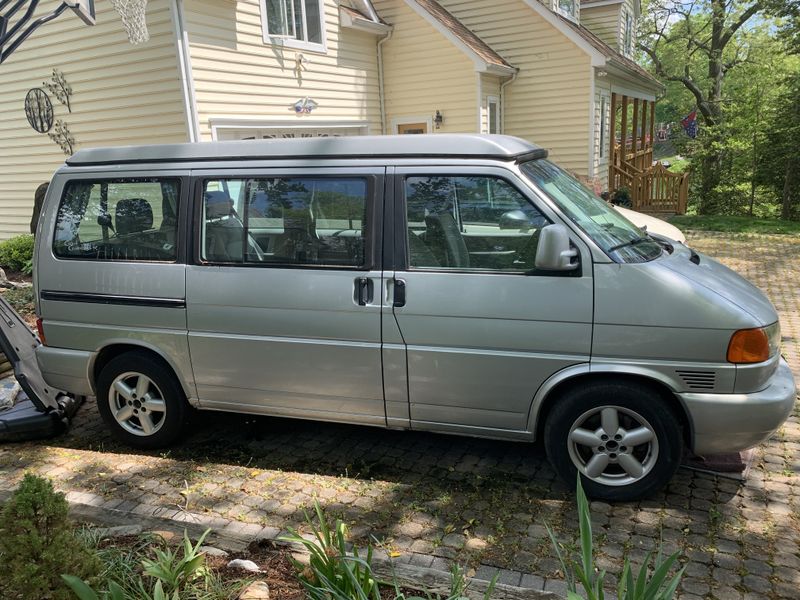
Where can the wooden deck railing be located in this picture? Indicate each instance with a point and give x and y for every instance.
(654, 190)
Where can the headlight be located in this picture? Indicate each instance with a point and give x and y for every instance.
(754, 345)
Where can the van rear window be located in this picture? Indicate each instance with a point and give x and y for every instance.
(119, 219)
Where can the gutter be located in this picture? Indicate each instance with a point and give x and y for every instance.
(503, 87)
(381, 89)
(186, 73)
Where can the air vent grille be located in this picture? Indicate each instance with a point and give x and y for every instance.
(698, 380)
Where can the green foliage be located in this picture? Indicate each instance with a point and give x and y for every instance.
(735, 224)
(168, 575)
(333, 572)
(649, 584)
(16, 254)
(37, 543)
(20, 299)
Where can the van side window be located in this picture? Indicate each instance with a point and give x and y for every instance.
(285, 221)
(119, 219)
(477, 223)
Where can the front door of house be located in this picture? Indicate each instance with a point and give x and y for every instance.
(412, 128)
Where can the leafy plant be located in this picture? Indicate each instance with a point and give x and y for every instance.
(645, 585)
(176, 576)
(622, 197)
(37, 542)
(458, 588)
(332, 571)
(176, 571)
(17, 252)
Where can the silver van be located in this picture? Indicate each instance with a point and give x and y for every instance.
(456, 284)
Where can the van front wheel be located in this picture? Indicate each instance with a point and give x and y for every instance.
(622, 438)
(141, 401)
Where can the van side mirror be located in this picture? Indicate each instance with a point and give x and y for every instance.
(554, 251)
(515, 219)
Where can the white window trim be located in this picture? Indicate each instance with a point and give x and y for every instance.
(628, 33)
(497, 120)
(294, 43)
(224, 123)
(410, 120)
(573, 16)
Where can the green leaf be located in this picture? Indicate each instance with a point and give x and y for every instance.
(116, 591)
(79, 587)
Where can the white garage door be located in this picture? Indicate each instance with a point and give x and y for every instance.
(269, 133)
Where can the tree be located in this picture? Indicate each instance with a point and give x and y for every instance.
(705, 33)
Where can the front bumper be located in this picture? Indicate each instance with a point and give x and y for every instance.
(733, 422)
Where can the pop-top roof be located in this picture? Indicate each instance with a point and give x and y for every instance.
(398, 146)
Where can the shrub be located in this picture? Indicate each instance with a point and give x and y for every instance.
(37, 544)
(16, 254)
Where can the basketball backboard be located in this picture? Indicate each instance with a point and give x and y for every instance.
(84, 9)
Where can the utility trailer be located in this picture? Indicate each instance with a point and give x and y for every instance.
(39, 410)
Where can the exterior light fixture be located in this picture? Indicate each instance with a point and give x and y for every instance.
(438, 120)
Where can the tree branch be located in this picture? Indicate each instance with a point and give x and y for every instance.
(743, 18)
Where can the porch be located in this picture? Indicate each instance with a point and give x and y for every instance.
(652, 188)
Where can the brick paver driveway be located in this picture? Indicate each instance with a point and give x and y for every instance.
(483, 502)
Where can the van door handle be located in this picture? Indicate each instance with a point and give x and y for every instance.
(364, 290)
(399, 293)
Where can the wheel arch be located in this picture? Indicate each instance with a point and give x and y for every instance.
(116, 348)
(587, 374)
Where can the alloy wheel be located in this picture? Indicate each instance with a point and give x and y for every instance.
(612, 445)
(137, 404)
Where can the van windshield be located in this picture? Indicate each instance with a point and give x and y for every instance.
(616, 235)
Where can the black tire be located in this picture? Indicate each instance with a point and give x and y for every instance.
(165, 427)
(584, 408)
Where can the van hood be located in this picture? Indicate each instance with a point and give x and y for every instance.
(707, 272)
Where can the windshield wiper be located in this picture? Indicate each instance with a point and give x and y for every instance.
(632, 242)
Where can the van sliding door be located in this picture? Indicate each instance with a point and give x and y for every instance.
(284, 296)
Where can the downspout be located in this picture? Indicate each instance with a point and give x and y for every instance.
(503, 100)
(186, 73)
(381, 93)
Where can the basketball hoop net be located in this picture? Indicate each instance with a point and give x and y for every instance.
(133, 13)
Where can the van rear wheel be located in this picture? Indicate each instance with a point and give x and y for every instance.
(141, 401)
(622, 438)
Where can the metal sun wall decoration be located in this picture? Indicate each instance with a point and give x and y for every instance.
(39, 110)
(40, 114)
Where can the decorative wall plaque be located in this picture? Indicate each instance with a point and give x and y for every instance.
(39, 110)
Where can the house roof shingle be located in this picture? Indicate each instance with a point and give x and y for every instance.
(466, 36)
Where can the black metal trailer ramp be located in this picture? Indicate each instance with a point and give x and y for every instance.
(39, 411)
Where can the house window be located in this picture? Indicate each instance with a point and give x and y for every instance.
(294, 23)
(567, 7)
(628, 34)
(603, 125)
(494, 114)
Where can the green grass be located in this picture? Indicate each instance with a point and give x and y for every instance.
(736, 224)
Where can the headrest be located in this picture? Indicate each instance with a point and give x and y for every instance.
(218, 204)
(133, 215)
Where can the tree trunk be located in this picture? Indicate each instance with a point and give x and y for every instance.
(790, 187)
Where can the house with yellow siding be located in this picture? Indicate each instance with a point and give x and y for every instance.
(543, 70)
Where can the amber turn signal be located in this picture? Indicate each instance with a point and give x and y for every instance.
(748, 346)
